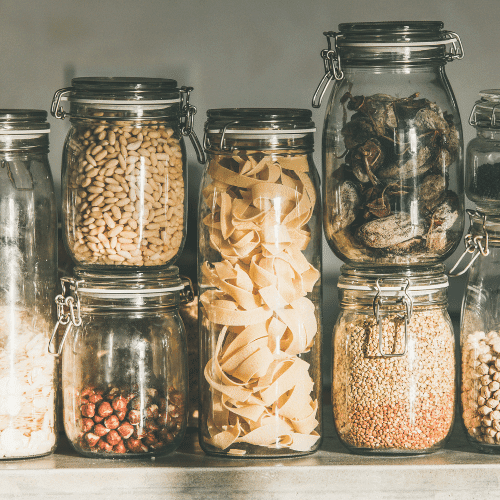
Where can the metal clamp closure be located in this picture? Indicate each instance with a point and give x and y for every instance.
(56, 109)
(475, 244)
(473, 116)
(187, 293)
(187, 121)
(457, 49)
(333, 67)
(70, 318)
(378, 303)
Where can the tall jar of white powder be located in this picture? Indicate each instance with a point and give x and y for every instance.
(28, 279)
(393, 362)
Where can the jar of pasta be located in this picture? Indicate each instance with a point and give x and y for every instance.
(28, 281)
(124, 366)
(124, 170)
(393, 362)
(392, 144)
(259, 282)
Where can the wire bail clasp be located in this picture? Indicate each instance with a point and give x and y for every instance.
(56, 109)
(473, 245)
(378, 302)
(70, 318)
(187, 121)
(333, 67)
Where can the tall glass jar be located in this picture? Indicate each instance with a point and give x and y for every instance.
(392, 144)
(28, 280)
(393, 362)
(259, 273)
(124, 366)
(480, 335)
(482, 170)
(124, 170)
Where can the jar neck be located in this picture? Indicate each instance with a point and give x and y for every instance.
(488, 133)
(113, 112)
(279, 144)
(377, 57)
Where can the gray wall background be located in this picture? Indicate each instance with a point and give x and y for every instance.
(235, 53)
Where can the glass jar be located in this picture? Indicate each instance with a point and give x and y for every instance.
(393, 362)
(480, 335)
(124, 367)
(482, 170)
(124, 170)
(28, 277)
(260, 285)
(392, 144)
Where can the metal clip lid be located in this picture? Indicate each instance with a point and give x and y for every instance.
(187, 120)
(70, 318)
(475, 244)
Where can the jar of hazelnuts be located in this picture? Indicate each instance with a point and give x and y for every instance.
(124, 170)
(124, 362)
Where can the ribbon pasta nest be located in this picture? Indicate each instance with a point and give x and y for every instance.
(261, 389)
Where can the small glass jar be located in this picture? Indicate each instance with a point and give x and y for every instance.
(480, 335)
(124, 367)
(28, 278)
(392, 144)
(124, 170)
(393, 362)
(259, 280)
(482, 170)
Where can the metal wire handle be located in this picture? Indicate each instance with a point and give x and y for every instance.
(408, 303)
(473, 245)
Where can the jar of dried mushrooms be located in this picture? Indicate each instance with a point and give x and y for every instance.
(124, 171)
(393, 362)
(259, 281)
(28, 281)
(392, 144)
(124, 366)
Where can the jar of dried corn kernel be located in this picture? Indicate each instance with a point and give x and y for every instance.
(393, 362)
(259, 282)
(124, 170)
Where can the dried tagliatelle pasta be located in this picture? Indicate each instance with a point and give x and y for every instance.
(259, 308)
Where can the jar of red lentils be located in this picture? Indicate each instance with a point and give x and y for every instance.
(124, 170)
(393, 362)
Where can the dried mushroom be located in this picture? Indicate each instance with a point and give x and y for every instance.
(393, 196)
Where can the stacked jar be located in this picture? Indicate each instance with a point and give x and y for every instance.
(480, 324)
(124, 209)
(28, 277)
(393, 212)
(259, 270)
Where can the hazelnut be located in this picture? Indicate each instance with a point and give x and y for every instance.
(102, 445)
(152, 411)
(91, 439)
(134, 416)
(158, 445)
(150, 439)
(98, 419)
(151, 425)
(120, 448)
(152, 392)
(119, 404)
(105, 409)
(112, 393)
(100, 430)
(113, 438)
(88, 410)
(135, 404)
(121, 415)
(87, 424)
(95, 398)
(139, 432)
(87, 392)
(112, 422)
(125, 430)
